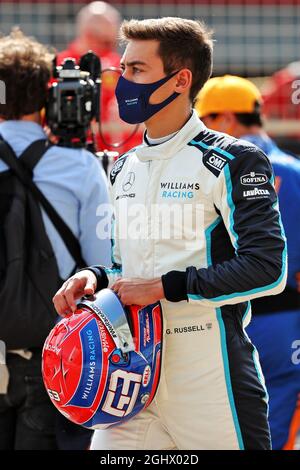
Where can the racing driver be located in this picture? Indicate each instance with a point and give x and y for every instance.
(197, 227)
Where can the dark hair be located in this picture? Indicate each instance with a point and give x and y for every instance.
(246, 119)
(25, 67)
(249, 119)
(182, 43)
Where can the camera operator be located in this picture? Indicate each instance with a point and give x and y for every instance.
(97, 29)
(73, 181)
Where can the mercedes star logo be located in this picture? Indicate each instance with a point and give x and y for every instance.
(128, 181)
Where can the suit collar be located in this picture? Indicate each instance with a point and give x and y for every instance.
(168, 149)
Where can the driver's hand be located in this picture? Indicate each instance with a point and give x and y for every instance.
(82, 283)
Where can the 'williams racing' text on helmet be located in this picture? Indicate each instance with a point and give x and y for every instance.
(101, 365)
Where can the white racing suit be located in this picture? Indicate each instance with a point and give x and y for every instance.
(208, 223)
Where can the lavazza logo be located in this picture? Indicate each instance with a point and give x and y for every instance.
(256, 192)
(254, 179)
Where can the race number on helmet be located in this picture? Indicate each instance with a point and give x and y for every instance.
(101, 365)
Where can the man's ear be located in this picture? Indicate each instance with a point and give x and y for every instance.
(183, 80)
(229, 118)
(227, 122)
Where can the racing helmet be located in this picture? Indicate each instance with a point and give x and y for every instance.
(101, 365)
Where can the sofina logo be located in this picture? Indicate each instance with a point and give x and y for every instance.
(254, 179)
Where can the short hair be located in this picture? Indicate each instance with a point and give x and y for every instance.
(25, 69)
(249, 119)
(183, 43)
(246, 119)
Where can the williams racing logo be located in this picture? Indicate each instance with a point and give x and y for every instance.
(254, 179)
(183, 190)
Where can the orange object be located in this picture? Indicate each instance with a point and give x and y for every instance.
(294, 429)
(227, 93)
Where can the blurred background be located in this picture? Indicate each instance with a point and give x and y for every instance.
(254, 37)
(258, 39)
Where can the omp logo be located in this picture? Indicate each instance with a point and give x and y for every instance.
(217, 162)
(126, 398)
(254, 179)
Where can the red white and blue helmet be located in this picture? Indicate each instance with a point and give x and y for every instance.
(101, 365)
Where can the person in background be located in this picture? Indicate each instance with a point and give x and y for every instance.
(232, 105)
(97, 29)
(75, 184)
